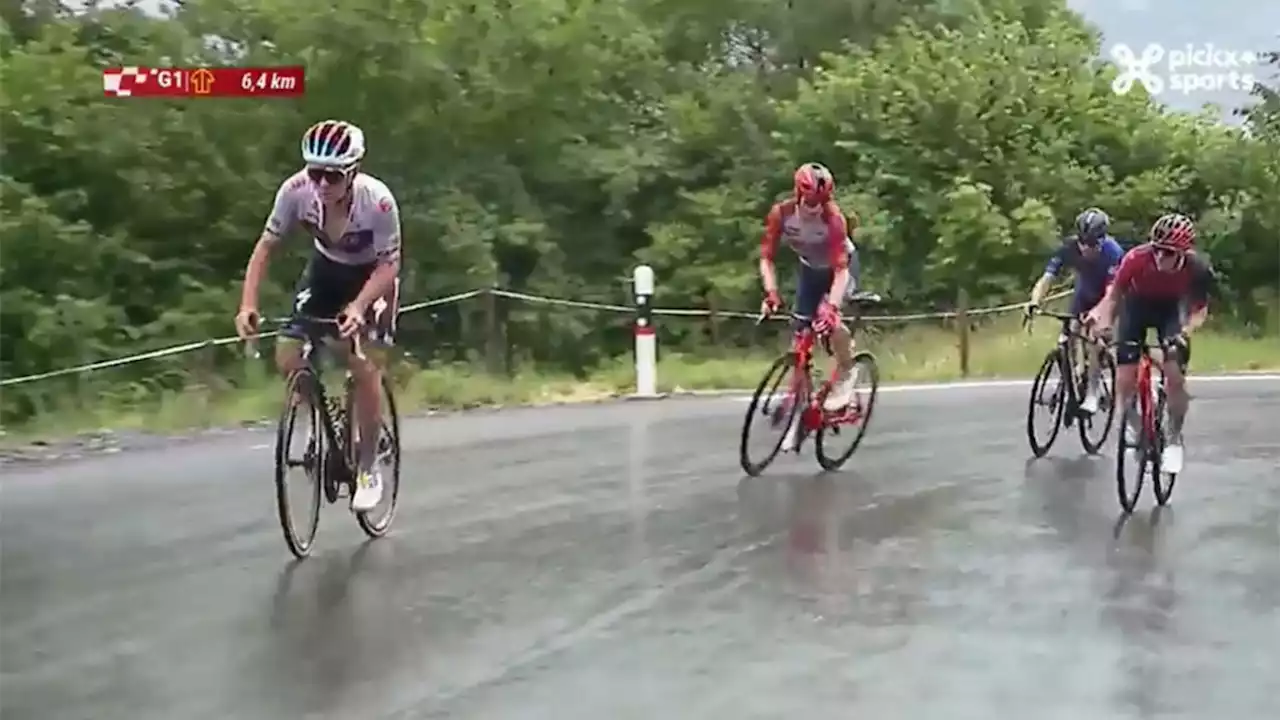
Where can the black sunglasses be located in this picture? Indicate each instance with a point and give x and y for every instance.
(332, 176)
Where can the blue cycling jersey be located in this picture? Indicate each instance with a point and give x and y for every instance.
(1092, 274)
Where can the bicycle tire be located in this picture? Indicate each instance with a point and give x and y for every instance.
(1052, 361)
(379, 528)
(1162, 491)
(834, 463)
(1148, 464)
(302, 382)
(785, 362)
(1091, 446)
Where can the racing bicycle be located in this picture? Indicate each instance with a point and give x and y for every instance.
(798, 411)
(1151, 408)
(1050, 388)
(329, 457)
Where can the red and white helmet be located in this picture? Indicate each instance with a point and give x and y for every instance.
(1173, 232)
(814, 184)
(333, 143)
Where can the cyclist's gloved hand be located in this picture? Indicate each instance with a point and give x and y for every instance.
(1030, 310)
(772, 303)
(828, 317)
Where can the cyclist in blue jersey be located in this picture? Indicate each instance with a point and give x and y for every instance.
(1094, 256)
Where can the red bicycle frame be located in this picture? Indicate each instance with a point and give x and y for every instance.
(813, 416)
(1144, 397)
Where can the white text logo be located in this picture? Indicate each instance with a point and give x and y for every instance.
(1183, 70)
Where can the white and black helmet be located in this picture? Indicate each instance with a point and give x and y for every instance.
(333, 143)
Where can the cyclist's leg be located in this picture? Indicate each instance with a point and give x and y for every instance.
(1131, 328)
(1174, 366)
(366, 374)
(311, 297)
(1081, 303)
(811, 287)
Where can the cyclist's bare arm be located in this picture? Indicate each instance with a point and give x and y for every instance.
(768, 247)
(1201, 285)
(386, 238)
(282, 219)
(1051, 271)
(837, 234)
(1117, 286)
(256, 269)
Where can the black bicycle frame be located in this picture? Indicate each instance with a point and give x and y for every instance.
(1066, 362)
(315, 345)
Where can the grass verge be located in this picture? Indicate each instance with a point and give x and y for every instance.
(1000, 350)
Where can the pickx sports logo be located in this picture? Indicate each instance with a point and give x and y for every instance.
(1183, 70)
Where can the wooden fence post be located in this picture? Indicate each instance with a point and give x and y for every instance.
(962, 329)
(713, 320)
(495, 362)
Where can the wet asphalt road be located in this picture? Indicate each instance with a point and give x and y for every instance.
(612, 562)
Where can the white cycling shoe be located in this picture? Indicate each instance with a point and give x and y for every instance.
(841, 395)
(1171, 458)
(368, 490)
(1090, 403)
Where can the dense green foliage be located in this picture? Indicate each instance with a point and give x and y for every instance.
(547, 145)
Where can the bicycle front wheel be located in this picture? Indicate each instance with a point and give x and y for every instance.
(779, 409)
(1143, 457)
(1162, 482)
(858, 415)
(1047, 394)
(300, 402)
(377, 521)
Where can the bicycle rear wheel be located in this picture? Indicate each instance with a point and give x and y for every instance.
(1161, 482)
(375, 523)
(865, 365)
(1092, 441)
(781, 410)
(299, 531)
(1044, 394)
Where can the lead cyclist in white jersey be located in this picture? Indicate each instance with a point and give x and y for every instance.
(354, 221)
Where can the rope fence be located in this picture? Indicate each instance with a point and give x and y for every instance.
(961, 313)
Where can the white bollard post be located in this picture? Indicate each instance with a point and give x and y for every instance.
(646, 337)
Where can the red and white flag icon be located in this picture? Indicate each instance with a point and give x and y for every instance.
(125, 82)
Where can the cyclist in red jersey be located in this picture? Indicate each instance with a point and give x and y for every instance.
(1150, 288)
(816, 228)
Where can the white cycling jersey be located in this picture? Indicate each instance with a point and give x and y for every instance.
(373, 228)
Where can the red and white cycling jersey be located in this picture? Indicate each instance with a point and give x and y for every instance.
(373, 227)
(821, 239)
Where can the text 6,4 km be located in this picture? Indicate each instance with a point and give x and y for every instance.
(267, 81)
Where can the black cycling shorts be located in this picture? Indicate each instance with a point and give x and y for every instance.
(1137, 316)
(324, 290)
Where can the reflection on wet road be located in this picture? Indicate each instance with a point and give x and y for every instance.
(611, 561)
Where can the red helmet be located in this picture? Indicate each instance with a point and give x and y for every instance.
(1173, 231)
(814, 184)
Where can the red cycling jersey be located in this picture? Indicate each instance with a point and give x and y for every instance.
(1139, 277)
(820, 239)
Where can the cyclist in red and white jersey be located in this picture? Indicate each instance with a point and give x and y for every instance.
(815, 227)
(353, 274)
(1153, 285)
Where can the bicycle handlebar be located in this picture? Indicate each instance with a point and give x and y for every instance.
(862, 297)
(309, 322)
